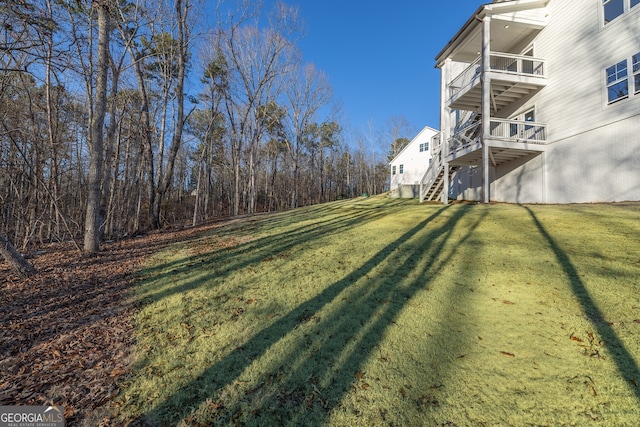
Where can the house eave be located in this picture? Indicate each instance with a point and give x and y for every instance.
(474, 22)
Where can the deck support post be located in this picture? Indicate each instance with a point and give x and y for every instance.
(486, 105)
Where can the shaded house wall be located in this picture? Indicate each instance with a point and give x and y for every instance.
(593, 149)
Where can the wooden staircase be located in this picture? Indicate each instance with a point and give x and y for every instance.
(435, 188)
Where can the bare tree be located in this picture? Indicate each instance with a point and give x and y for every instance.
(255, 63)
(96, 139)
(305, 95)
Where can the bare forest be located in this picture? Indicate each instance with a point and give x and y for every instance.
(118, 117)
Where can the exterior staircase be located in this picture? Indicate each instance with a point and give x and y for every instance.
(431, 186)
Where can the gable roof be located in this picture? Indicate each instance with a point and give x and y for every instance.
(426, 128)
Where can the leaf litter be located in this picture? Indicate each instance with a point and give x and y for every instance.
(66, 334)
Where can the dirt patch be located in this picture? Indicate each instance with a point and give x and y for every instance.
(66, 333)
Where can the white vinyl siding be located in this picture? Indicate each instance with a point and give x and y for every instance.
(410, 164)
(592, 153)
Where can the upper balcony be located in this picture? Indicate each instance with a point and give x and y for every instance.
(506, 33)
(512, 78)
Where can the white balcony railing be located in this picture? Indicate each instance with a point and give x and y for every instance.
(519, 131)
(430, 176)
(517, 64)
(468, 78)
(436, 144)
(506, 130)
(465, 137)
(499, 62)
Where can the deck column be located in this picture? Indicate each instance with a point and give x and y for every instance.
(445, 125)
(486, 104)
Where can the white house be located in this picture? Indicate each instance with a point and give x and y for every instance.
(540, 103)
(407, 169)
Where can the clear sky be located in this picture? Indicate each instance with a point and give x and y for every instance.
(379, 54)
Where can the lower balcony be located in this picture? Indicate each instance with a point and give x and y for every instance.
(507, 141)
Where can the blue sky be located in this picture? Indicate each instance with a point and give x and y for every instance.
(379, 55)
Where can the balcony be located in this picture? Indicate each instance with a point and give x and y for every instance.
(507, 140)
(512, 78)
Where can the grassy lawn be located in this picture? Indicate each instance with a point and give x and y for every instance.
(385, 312)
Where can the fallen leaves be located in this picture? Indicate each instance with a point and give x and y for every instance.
(592, 347)
(506, 353)
(65, 334)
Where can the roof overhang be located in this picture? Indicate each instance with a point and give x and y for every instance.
(468, 38)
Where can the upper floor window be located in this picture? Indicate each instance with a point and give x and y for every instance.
(617, 82)
(393, 170)
(614, 8)
(635, 60)
(424, 147)
(401, 169)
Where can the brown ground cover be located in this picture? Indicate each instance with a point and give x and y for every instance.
(65, 334)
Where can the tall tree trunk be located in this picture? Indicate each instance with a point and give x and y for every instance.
(92, 220)
(181, 16)
(15, 260)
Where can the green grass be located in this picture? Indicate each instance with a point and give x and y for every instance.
(378, 312)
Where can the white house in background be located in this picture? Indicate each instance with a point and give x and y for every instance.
(408, 167)
(540, 103)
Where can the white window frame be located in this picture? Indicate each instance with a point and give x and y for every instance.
(635, 73)
(401, 171)
(393, 170)
(424, 146)
(616, 78)
(627, 5)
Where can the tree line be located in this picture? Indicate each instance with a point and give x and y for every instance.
(120, 116)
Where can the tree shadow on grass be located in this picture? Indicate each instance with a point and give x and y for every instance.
(626, 364)
(225, 262)
(328, 338)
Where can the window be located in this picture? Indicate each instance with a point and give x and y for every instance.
(517, 130)
(612, 9)
(393, 170)
(401, 169)
(424, 147)
(617, 82)
(635, 60)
